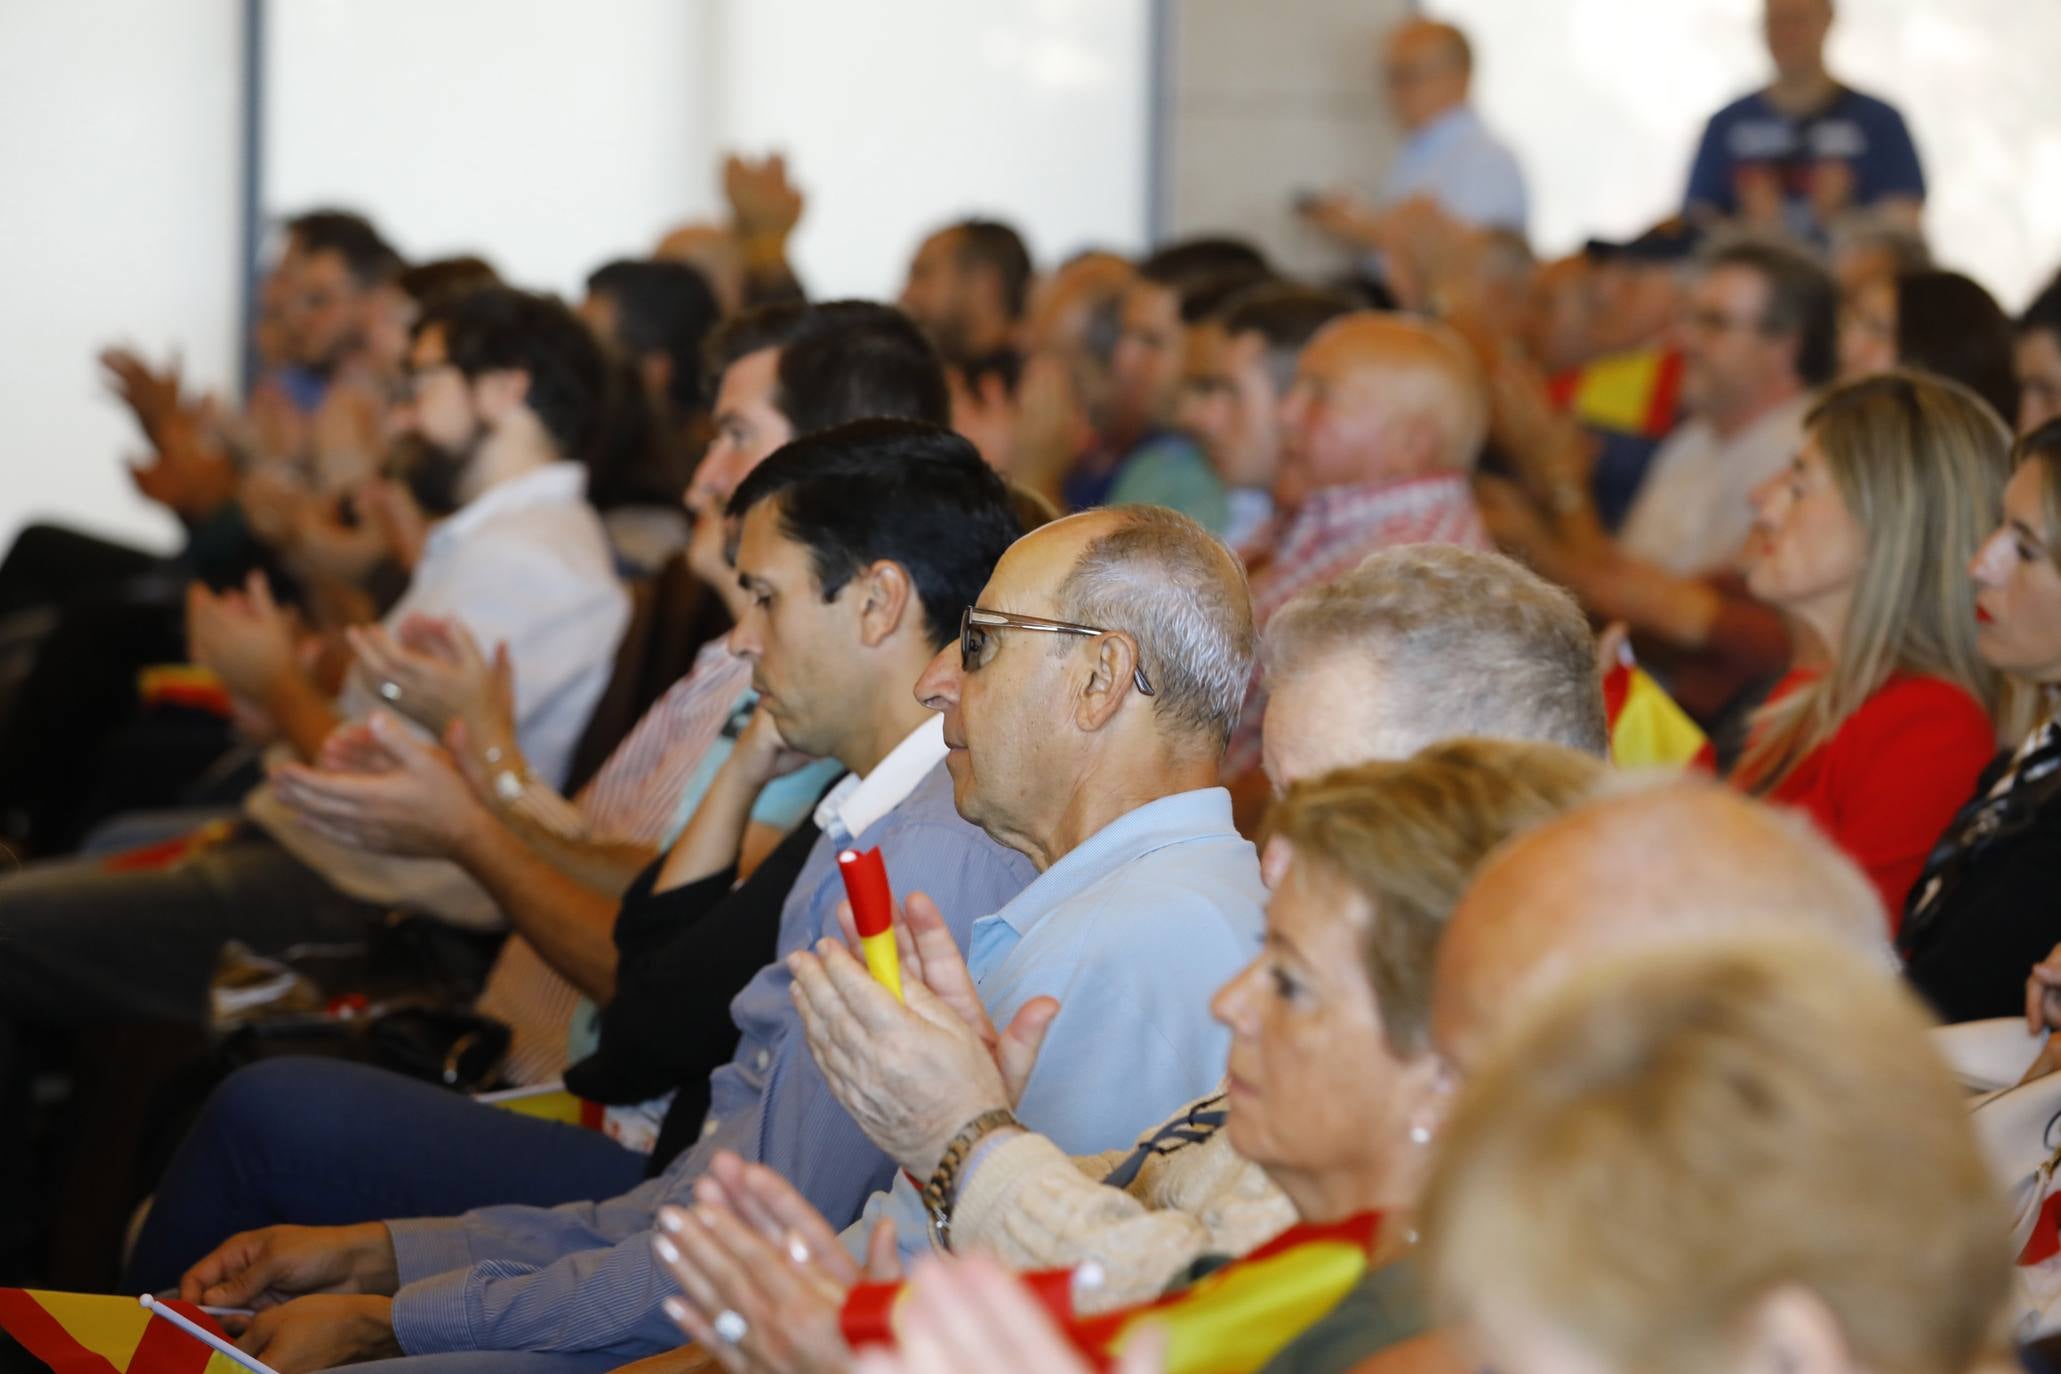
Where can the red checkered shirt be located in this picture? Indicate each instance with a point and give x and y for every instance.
(1330, 535)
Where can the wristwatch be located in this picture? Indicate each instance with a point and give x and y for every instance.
(942, 1191)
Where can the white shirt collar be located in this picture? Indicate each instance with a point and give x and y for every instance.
(554, 484)
(856, 803)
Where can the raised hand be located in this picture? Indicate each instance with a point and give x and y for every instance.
(763, 202)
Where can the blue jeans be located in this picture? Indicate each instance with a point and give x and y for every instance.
(324, 1142)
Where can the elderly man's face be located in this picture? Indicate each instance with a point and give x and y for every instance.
(1333, 429)
(1009, 720)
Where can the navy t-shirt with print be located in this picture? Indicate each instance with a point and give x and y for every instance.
(1750, 137)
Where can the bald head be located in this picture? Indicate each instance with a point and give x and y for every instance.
(1425, 66)
(1647, 865)
(1379, 397)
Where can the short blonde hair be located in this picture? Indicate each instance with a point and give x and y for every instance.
(1408, 835)
(1674, 1137)
(1920, 462)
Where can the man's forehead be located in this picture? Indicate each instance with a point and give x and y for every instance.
(750, 379)
(1027, 579)
(427, 349)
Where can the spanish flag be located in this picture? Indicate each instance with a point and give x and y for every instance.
(183, 685)
(1628, 393)
(87, 1333)
(1231, 1321)
(1647, 728)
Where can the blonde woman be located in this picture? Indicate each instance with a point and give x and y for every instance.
(1882, 728)
(1738, 1157)
(1984, 909)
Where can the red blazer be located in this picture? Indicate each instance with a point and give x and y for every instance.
(1884, 787)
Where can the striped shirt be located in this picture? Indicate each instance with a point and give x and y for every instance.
(1331, 534)
(582, 1277)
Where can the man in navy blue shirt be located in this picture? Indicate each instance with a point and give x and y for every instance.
(1806, 149)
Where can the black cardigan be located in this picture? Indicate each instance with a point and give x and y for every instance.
(1998, 910)
(682, 956)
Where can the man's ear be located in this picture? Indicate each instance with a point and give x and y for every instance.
(1115, 665)
(655, 370)
(499, 394)
(885, 597)
(1792, 1331)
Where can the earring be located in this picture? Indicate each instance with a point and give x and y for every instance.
(1420, 1135)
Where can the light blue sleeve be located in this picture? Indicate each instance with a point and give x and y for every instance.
(786, 802)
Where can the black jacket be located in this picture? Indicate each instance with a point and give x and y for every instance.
(1988, 906)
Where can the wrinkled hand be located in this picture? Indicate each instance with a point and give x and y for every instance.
(244, 638)
(763, 202)
(911, 1074)
(264, 1268)
(788, 1282)
(429, 668)
(418, 807)
(967, 1312)
(322, 1332)
(349, 434)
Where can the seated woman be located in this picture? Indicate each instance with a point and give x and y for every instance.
(1328, 1113)
(1730, 1157)
(1984, 908)
(1881, 730)
(1938, 322)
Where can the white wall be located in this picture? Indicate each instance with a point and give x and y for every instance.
(1605, 100)
(897, 118)
(118, 136)
(549, 135)
(1270, 100)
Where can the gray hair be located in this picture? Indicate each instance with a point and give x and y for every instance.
(1181, 594)
(1466, 643)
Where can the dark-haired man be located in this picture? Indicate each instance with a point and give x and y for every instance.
(1144, 460)
(506, 386)
(967, 288)
(858, 547)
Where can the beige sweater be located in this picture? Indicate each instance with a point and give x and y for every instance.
(1190, 1194)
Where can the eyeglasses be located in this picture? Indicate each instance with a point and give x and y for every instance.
(976, 624)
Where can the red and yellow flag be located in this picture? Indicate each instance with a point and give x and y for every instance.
(1231, 1321)
(1647, 728)
(91, 1333)
(183, 684)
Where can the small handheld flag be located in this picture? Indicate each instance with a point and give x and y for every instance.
(873, 912)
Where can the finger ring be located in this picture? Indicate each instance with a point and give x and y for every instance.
(730, 1326)
(390, 690)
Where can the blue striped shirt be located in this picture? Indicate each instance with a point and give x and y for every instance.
(582, 1277)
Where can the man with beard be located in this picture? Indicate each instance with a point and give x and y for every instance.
(506, 389)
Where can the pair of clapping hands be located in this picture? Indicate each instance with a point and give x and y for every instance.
(763, 1276)
(378, 785)
(765, 1280)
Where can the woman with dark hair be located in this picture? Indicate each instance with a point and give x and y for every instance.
(1984, 909)
(1938, 322)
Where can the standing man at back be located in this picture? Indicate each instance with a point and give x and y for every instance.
(1796, 154)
